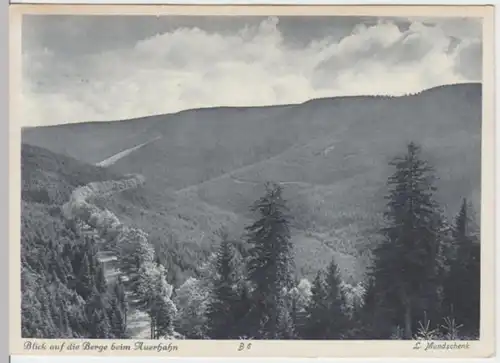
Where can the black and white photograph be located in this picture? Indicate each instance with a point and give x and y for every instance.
(233, 177)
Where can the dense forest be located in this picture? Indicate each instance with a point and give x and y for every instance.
(423, 281)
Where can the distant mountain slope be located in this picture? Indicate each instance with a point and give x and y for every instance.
(198, 145)
(207, 166)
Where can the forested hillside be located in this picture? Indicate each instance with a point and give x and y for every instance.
(236, 293)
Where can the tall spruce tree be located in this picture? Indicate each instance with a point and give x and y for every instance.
(405, 261)
(462, 287)
(221, 311)
(270, 265)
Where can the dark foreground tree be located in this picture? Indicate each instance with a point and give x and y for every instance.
(221, 311)
(327, 317)
(406, 269)
(270, 266)
(463, 283)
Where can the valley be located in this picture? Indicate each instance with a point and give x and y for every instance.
(205, 167)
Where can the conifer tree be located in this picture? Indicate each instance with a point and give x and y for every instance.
(462, 287)
(367, 322)
(85, 279)
(286, 328)
(337, 313)
(221, 314)
(405, 261)
(327, 316)
(270, 264)
(317, 309)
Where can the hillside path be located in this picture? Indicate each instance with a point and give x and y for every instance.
(138, 324)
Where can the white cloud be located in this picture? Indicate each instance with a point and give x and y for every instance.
(191, 68)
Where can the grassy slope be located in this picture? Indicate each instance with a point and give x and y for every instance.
(335, 151)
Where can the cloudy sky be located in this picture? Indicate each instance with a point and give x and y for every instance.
(99, 68)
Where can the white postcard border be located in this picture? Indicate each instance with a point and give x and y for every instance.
(206, 348)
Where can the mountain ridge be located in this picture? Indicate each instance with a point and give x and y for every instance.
(132, 119)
